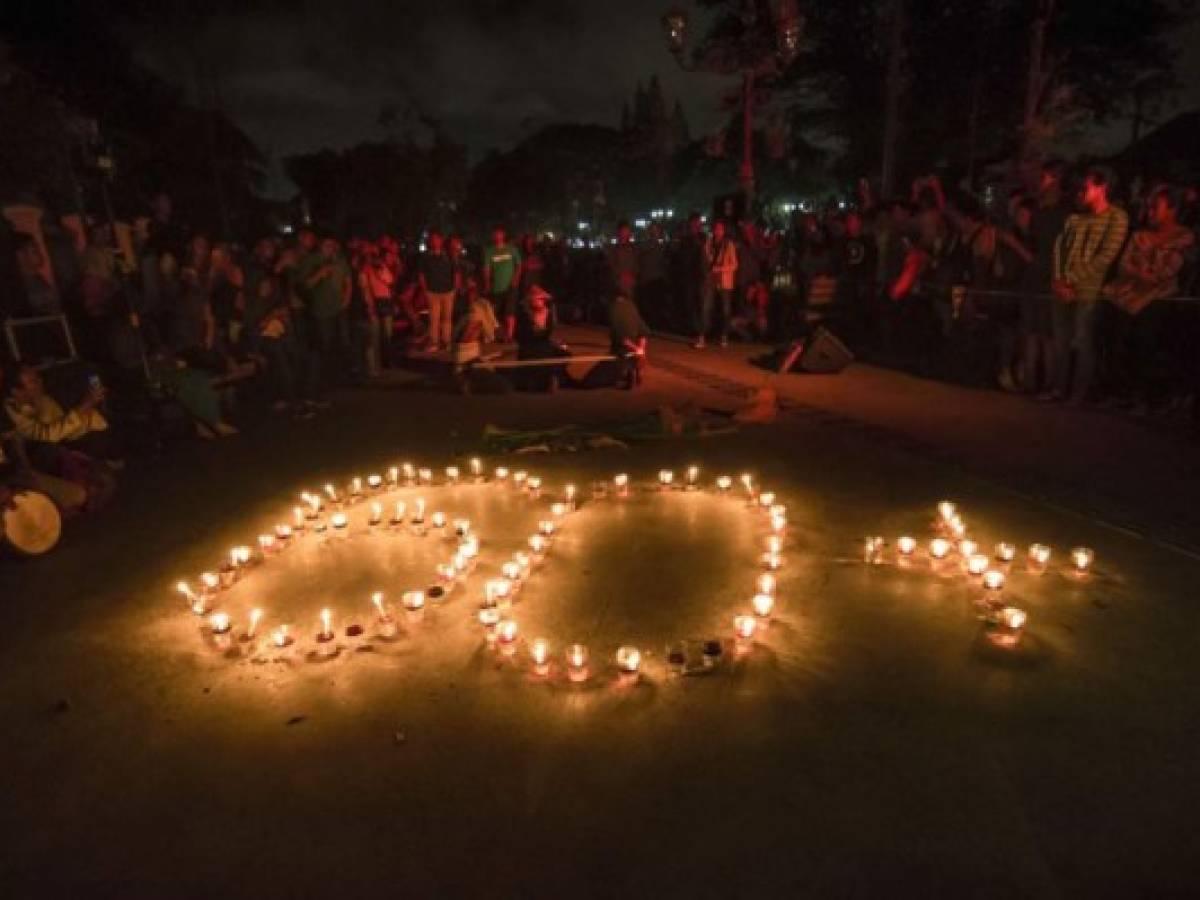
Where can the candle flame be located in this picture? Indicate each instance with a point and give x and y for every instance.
(281, 636)
(377, 599)
(256, 615)
(326, 622)
(540, 651)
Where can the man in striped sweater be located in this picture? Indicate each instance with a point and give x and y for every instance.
(1090, 243)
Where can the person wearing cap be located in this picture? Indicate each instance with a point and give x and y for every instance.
(535, 340)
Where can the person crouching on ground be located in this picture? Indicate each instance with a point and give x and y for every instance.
(628, 333)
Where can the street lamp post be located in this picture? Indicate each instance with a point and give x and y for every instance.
(764, 45)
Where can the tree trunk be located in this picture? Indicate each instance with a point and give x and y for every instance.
(1029, 157)
(893, 89)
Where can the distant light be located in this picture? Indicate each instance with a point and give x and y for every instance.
(421, 246)
(584, 226)
(286, 229)
(640, 223)
(670, 213)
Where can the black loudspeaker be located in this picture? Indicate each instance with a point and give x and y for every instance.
(822, 354)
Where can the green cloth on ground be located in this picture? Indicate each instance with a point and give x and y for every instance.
(662, 423)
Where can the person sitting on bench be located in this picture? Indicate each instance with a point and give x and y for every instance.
(536, 321)
(477, 327)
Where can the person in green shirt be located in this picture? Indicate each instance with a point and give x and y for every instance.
(501, 276)
(327, 284)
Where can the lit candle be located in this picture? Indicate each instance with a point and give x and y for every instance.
(356, 486)
(977, 564)
(331, 492)
(693, 477)
(376, 513)
(489, 616)
(569, 494)
(577, 662)
(477, 468)
(185, 589)
(266, 544)
(537, 544)
(228, 574)
(501, 473)
(547, 528)
(906, 546)
(993, 581)
(748, 483)
(462, 527)
(772, 561)
(506, 631)
(779, 510)
(967, 548)
(425, 476)
(744, 627)
(326, 633)
(539, 652)
(621, 482)
(1005, 552)
(947, 510)
(438, 520)
(629, 660)
(446, 573)
(461, 563)
(394, 475)
(339, 522)
(419, 511)
(210, 581)
(775, 543)
(409, 472)
(280, 636)
(767, 499)
(939, 548)
(374, 482)
(319, 526)
(283, 532)
(519, 478)
(766, 583)
(1039, 556)
(958, 527)
(256, 615)
(763, 605)
(522, 560)
(398, 513)
(778, 524)
(452, 474)
(665, 477)
(724, 483)
(298, 518)
(872, 549)
(534, 484)
(1082, 558)
(511, 571)
(414, 600)
(469, 546)
(558, 510)
(1008, 627)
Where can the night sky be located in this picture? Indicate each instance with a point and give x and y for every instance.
(303, 75)
(306, 75)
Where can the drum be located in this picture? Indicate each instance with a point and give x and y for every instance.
(31, 526)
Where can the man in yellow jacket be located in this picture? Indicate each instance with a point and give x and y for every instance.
(44, 425)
